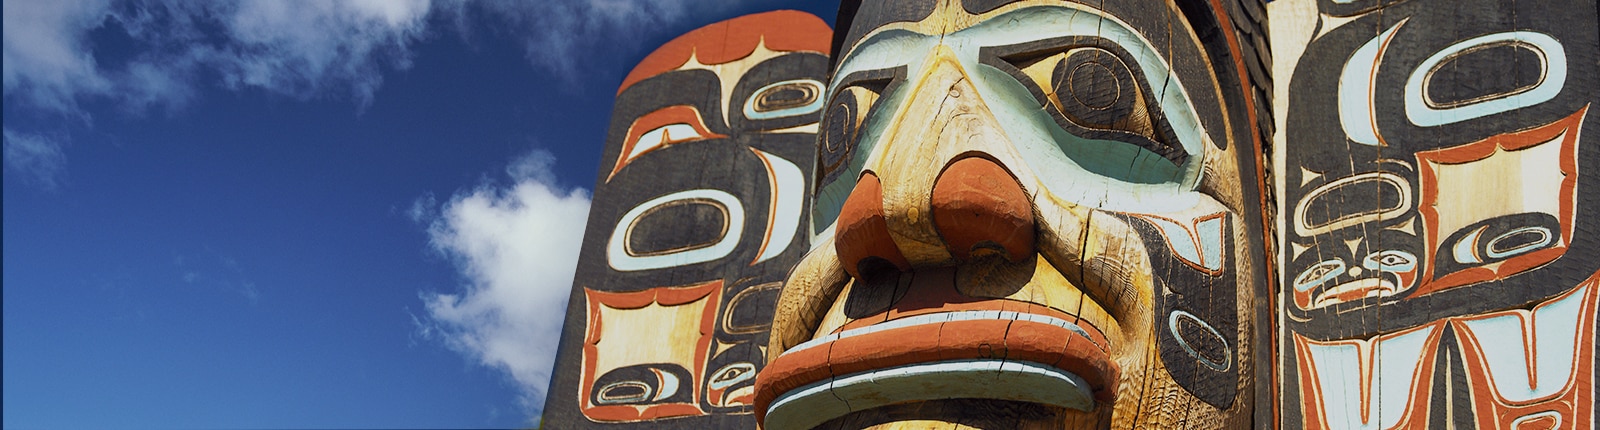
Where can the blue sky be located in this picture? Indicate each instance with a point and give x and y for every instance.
(266, 214)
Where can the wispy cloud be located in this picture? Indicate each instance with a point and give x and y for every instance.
(564, 37)
(219, 271)
(516, 248)
(35, 158)
(47, 61)
(297, 49)
(165, 52)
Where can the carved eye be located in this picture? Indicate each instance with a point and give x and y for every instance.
(842, 129)
(1318, 274)
(1393, 261)
(841, 137)
(1093, 89)
(784, 99)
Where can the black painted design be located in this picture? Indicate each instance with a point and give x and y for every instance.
(1193, 301)
(1319, 153)
(726, 159)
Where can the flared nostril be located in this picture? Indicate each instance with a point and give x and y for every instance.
(862, 236)
(978, 207)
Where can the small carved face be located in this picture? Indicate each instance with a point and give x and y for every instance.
(1044, 209)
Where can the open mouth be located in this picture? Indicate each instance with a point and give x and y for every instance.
(1347, 292)
(977, 348)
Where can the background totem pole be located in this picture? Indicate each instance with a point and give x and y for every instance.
(1438, 214)
(699, 211)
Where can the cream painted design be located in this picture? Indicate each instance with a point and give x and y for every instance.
(623, 331)
(788, 196)
(1504, 183)
(730, 73)
(1401, 186)
(732, 374)
(814, 105)
(1555, 419)
(662, 135)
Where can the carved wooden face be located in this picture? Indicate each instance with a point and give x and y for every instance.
(1046, 209)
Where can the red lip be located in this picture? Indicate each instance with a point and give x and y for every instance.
(1023, 335)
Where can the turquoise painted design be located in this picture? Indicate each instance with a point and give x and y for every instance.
(1550, 52)
(1356, 114)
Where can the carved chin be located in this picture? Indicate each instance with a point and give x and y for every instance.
(935, 343)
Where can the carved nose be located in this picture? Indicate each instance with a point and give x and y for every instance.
(979, 208)
(862, 237)
(976, 207)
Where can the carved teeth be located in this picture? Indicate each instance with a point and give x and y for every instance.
(1354, 290)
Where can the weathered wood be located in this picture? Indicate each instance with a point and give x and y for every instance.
(1146, 295)
(699, 211)
(1440, 263)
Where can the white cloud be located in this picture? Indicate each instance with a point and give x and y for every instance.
(564, 36)
(297, 49)
(45, 51)
(36, 158)
(517, 249)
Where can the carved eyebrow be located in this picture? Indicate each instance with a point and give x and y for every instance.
(1020, 27)
(883, 80)
(883, 50)
(685, 118)
(1010, 59)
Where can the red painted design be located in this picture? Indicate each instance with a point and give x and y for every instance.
(1481, 150)
(1571, 407)
(665, 296)
(680, 114)
(731, 40)
(1416, 409)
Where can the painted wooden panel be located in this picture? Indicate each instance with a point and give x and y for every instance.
(1438, 245)
(700, 209)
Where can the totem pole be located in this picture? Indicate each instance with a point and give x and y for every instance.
(1441, 263)
(1032, 214)
(699, 211)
